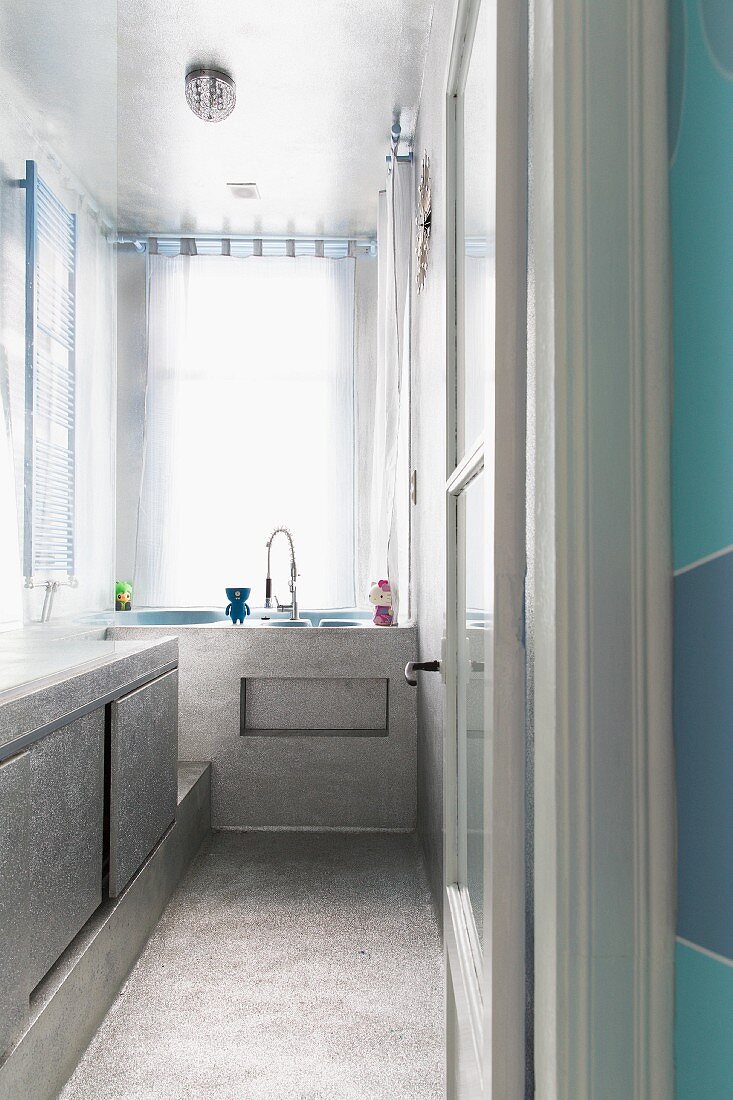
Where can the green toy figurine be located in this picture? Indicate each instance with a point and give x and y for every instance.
(123, 596)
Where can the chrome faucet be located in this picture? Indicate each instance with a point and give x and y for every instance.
(292, 607)
(52, 588)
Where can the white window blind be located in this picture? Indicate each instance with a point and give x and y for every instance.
(50, 409)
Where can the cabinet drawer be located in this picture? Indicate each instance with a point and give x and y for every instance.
(143, 775)
(14, 988)
(66, 831)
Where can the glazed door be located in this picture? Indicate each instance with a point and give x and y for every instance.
(484, 785)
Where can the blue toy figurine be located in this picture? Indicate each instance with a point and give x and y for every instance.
(238, 609)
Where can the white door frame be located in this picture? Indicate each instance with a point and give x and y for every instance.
(495, 1030)
(604, 781)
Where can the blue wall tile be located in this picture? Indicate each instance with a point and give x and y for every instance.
(701, 181)
(703, 720)
(700, 132)
(703, 1033)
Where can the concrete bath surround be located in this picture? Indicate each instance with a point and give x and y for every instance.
(304, 729)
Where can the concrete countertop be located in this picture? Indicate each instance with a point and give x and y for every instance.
(44, 678)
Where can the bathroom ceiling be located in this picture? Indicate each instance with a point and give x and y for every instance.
(318, 85)
(58, 78)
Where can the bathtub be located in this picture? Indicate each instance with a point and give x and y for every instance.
(212, 616)
(308, 728)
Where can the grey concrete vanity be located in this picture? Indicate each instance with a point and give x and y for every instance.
(88, 785)
(304, 729)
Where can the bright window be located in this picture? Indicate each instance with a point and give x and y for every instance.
(249, 425)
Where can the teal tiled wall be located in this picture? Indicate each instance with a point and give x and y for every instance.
(701, 186)
(701, 180)
(703, 1026)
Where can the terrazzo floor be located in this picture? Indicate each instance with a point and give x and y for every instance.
(287, 966)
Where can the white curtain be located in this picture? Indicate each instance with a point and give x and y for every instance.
(479, 388)
(249, 425)
(388, 552)
(479, 327)
(96, 299)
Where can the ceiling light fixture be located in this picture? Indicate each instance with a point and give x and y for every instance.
(210, 94)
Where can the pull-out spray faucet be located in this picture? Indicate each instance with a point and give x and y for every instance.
(292, 607)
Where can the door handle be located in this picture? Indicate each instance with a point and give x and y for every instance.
(419, 666)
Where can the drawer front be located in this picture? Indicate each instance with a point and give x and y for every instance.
(66, 830)
(14, 897)
(143, 775)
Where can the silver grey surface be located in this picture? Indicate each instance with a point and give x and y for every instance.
(143, 775)
(39, 664)
(64, 627)
(300, 703)
(287, 967)
(188, 776)
(317, 89)
(69, 1004)
(14, 931)
(428, 454)
(314, 781)
(65, 837)
(119, 665)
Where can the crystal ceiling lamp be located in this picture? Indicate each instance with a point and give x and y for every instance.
(210, 94)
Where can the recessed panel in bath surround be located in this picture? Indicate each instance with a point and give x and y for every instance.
(299, 704)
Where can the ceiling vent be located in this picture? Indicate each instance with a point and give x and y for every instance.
(244, 190)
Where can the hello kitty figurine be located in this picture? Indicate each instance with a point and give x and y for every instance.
(380, 594)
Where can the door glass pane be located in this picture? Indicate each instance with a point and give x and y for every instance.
(475, 688)
(477, 234)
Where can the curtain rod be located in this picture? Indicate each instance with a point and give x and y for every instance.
(141, 241)
(394, 141)
(128, 236)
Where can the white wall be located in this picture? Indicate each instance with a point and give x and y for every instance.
(429, 450)
(131, 375)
